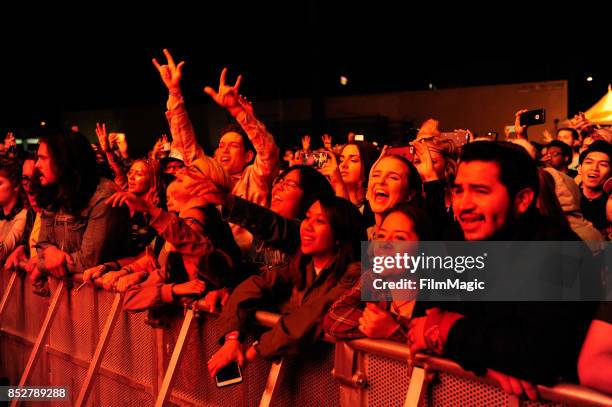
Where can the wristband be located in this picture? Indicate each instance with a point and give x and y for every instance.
(177, 95)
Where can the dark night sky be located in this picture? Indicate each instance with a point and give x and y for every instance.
(89, 59)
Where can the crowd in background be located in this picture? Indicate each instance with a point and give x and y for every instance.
(252, 227)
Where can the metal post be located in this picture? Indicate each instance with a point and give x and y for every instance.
(103, 342)
(42, 336)
(271, 384)
(162, 397)
(6, 294)
(416, 388)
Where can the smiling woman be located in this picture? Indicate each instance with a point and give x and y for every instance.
(326, 266)
(393, 179)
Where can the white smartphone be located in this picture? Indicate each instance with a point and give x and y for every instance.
(229, 375)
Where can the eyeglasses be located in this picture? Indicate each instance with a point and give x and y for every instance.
(286, 183)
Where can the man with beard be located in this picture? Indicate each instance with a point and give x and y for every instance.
(78, 229)
(494, 199)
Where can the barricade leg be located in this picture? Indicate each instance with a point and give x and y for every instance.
(6, 294)
(42, 336)
(416, 388)
(174, 360)
(348, 372)
(100, 350)
(271, 384)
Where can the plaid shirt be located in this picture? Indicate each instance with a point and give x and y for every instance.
(342, 319)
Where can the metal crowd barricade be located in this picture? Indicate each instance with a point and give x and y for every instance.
(109, 358)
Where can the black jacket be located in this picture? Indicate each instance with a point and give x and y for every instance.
(535, 341)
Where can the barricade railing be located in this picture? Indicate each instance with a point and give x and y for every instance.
(108, 357)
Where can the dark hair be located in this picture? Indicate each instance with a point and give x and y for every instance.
(348, 232)
(565, 149)
(548, 201)
(235, 128)
(74, 161)
(420, 218)
(575, 134)
(368, 154)
(313, 184)
(517, 170)
(11, 168)
(600, 146)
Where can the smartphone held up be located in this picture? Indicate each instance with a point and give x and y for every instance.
(533, 117)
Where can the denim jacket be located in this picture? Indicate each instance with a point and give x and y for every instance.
(95, 235)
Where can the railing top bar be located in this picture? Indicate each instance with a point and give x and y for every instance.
(564, 393)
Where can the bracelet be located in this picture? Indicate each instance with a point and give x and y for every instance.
(178, 96)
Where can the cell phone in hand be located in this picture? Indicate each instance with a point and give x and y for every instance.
(229, 375)
(316, 160)
(405, 151)
(533, 117)
(457, 138)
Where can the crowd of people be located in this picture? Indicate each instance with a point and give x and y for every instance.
(247, 229)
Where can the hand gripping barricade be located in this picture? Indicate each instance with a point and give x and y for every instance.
(108, 357)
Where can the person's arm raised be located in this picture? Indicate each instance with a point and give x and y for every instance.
(183, 134)
(227, 96)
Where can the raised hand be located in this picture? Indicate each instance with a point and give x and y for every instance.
(133, 202)
(428, 129)
(119, 140)
(424, 164)
(521, 131)
(306, 143)
(102, 137)
(227, 96)
(10, 141)
(327, 141)
(330, 169)
(170, 73)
